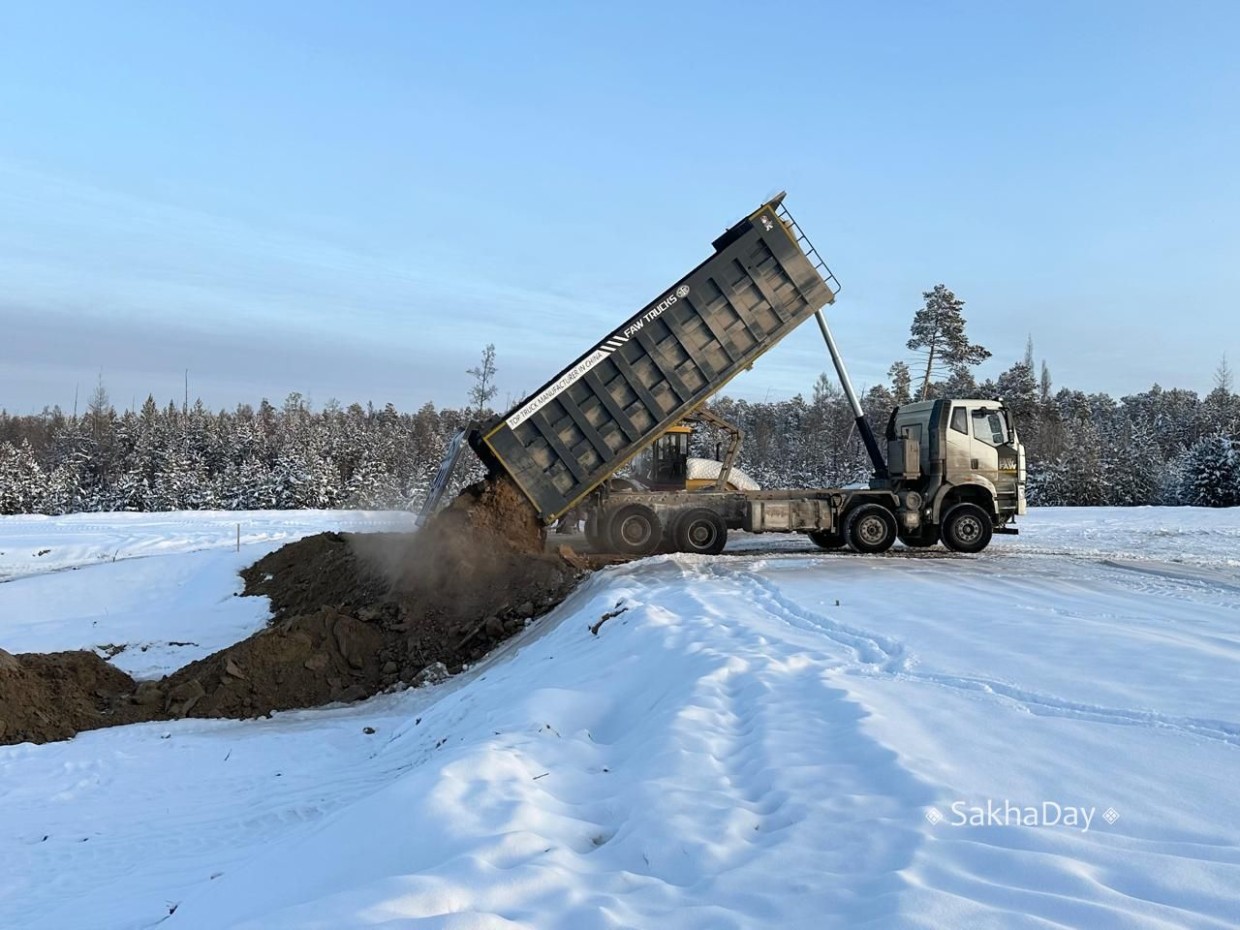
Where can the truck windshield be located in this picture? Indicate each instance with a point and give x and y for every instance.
(988, 426)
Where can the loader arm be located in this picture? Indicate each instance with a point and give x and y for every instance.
(735, 437)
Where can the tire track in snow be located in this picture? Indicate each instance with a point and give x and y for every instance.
(812, 781)
(881, 656)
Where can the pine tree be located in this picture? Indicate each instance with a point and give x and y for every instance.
(1019, 391)
(938, 332)
(1210, 473)
(961, 383)
(22, 483)
(1221, 408)
(1222, 376)
(901, 383)
(1133, 468)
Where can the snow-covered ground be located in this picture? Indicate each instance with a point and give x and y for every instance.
(165, 612)
(778, 737)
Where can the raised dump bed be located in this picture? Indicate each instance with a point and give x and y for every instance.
(570, 435)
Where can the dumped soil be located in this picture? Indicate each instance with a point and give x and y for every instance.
(352, 615)
(50, 696)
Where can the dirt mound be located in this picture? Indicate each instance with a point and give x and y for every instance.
(355, 613)
(324, 569)
(352, 614)
(308, 660)
(494, 509)
(50, 696)
(487, 536)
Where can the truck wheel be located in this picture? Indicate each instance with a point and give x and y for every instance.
(967, 528)
(594, 535)
(825, 539)
(634, 529)
(702, 531)
(870, 528)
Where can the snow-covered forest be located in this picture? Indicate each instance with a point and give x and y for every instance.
(1157, 447)
(1160, 446)
(186, 457)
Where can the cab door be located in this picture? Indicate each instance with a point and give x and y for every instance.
(959, 453)
(989, 436)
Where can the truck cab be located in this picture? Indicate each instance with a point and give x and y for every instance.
(957, 451)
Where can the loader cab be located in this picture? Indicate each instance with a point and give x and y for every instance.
(666, 466)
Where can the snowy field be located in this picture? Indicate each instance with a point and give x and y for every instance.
(165, 612)
(1045, 735)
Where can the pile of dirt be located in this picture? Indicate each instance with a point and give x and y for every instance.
(352, 614)
(357, 613)
(324, 569)
(301, 662)
(51, 696)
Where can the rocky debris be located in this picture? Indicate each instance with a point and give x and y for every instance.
(433, 674)
(149, 694)
(300, 662)
(352, 614)
(182, 697)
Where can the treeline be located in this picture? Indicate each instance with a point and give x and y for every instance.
(1157, 447)
(1168, 447)
(182, 457)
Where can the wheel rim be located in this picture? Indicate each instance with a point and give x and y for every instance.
(968, 529)
(702, 534)
(872, 530)
(635, 531)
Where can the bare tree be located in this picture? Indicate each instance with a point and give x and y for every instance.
(484, 380)
(99, 409)
(1222, 376)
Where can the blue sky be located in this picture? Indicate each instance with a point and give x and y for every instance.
(351, 199)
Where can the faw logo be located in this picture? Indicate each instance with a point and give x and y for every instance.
(605, 348)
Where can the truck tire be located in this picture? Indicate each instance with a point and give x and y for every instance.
(825, 539)
(634, 529)
(596, 535)
(701, 531)
(870, 528)
(967, 528)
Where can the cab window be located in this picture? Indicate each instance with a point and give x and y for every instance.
(960, 420)
(988, 426)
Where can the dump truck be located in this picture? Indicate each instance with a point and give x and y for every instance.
(954, 469)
